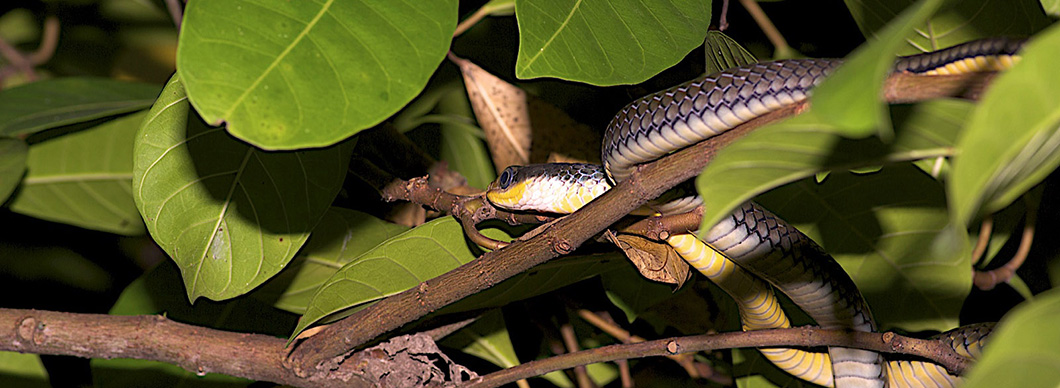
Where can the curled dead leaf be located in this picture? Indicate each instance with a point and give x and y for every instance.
(501, 110)
(654, 260)
(521, 128)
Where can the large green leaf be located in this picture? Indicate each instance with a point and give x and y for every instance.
(850, 98)
(955, 22)
(889, 232)
(84, 178)
(22, 370)
(606, 42)
(297, 74)
(12, 165)
(396, 265)
(1024, 350)
(341, 236)
(804, 145)
(229, 214)
(1012, 140)
(160, 291)
(52, 103)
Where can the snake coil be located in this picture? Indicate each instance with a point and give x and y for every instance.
(752, 245)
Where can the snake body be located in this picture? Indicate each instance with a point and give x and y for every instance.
(754, 244)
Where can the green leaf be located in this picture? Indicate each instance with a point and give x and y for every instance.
(396, 265)
(461, 143)
(487, 339)
(805, 145)
(1024, 349)
(606, 42)
(1051, 7)
(994, 166)
(722, 52)
(889, 232)
(160, 291)
(299, 74)
(62, 101)
(12, 165)
(84, 178)
(229, 214)
(341, 236)
(934, 124)
(954, 23)
(22, 370)
(850, 98)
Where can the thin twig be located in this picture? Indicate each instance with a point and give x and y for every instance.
(985, 230)
(767, 27)
(723, 21)
(686, 361)
(624, 374)
(570, 342)
(802, 336)
(466, 24)
(24, 63)
(987, 280)
(49, 41)
(176, 11)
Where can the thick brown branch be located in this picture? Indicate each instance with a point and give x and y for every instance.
(322, 352)
(197, 349)
(804, 336)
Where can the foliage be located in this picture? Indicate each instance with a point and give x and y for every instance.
(235, 153)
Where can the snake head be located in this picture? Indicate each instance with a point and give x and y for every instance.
(548, 188)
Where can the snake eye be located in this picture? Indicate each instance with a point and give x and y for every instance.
(505, 179)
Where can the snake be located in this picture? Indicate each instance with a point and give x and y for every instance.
(751, 251)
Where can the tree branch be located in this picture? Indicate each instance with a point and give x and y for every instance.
(324, 351)
(934, 350)
(197, 349)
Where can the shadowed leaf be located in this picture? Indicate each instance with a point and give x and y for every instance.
(84, 178)
(1012, 139)
(229, 214)
(62, 101)
(12, 165)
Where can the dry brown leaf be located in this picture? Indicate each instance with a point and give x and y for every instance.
(501, 111)
(654, 260)
(521, 128)
(558, 138)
